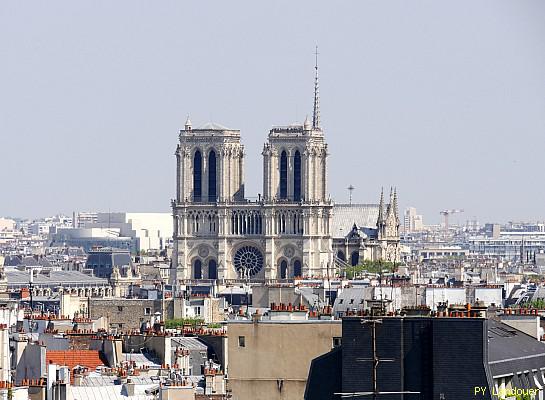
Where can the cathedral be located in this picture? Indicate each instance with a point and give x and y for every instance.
(293, 229)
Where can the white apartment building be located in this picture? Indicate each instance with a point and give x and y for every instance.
(412, 222)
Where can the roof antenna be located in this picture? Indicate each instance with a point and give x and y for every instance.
(350, 190)
(316, 110)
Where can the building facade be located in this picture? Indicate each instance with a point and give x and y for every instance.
(220, 234)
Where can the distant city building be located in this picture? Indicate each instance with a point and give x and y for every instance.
(152, 231)
(509, 246)
(412, 222)
(88, 238)
(82, 219)
(440, 252)
(103, 261)
(7, 224)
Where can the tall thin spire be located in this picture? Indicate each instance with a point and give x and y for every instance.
(316, 109)
(380, 218)
(390, 207)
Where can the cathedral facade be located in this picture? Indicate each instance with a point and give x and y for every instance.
(220, 234)
(284, 233)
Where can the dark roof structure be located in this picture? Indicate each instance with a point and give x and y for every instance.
(427, 358)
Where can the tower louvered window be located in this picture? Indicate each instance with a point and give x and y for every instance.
(212, 176)
(297, 176)
(283, 175)
(197, 176)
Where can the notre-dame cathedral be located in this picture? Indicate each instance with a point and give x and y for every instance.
(293, 229)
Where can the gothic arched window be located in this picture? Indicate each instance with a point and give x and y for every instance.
(283, 269)
(212, 176)
(355, 258)
(197, 176)
(297, 270)
(297, 176)
(283, 175)
(212, 270)
(197, 269)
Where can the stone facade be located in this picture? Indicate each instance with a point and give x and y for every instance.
(129, 314)
(220, 234)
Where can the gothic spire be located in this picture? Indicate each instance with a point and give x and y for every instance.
(390, 207)
(380, 218)
(316, 109)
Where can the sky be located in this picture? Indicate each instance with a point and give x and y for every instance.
(444, 100)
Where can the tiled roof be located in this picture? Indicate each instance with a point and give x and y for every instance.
(346, 215)
(16, 277)
(116, 392)
(72, 358)
(510, 350)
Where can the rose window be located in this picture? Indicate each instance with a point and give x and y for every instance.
(248, 258)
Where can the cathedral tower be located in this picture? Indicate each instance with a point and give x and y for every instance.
(210, 164)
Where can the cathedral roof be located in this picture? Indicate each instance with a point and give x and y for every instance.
(346, 215)
(213, 126)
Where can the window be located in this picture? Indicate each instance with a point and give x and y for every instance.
(355, 258)
(297, 271)
(147, 311)
(340, 301)
(283, 269)
(212, 270)
(241, 341)
(197, 269)
(212, 176)
(197, 176)
(297, 176)
(283, 175)
(337, 341)
(119, 308)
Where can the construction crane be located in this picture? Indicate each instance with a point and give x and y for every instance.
(446, 213)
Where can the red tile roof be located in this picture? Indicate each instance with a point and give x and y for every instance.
(72, 358)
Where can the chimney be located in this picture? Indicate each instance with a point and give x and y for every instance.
(256, 317)
(128, 388)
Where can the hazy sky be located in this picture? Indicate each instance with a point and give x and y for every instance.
(446, 101)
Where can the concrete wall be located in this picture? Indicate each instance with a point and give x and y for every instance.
(31, 364)
(5, 365)
(489, 296)
(275, 362)
(434, 295)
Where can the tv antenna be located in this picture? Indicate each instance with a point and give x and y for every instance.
(350, 190)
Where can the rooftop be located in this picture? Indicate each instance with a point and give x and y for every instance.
(55, 278)
(346, 215)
